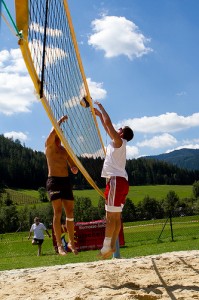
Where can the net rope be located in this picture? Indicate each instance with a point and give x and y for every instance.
(50, 41)
(10, 22)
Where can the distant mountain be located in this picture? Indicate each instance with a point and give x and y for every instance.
(184, 158)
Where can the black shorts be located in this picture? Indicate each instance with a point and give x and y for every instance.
(59, 188)
(38, 241)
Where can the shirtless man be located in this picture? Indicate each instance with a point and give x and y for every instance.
(59, 187)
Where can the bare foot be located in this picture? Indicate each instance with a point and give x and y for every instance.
(61, 250)
(73, 250)
(105, 255)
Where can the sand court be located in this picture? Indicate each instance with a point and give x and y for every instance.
(172, 276)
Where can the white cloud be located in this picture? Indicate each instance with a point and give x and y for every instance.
(131, 152)
(180, 94)
(118, 36)
(160, 141)
(190, 146)
(74, 101)
(53, 54)
(50, 31)
(12, 61)
(16, 94)
(96, 90)
(16, 135)
(169, 122)
(16, 88)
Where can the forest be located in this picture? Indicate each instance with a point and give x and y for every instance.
(24, 168)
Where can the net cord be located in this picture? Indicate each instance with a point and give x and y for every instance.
(18, 33)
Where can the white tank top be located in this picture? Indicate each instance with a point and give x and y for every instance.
(115, 161)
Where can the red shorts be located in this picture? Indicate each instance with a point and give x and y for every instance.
(115, 193)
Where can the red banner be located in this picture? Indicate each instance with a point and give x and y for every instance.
(88, 235)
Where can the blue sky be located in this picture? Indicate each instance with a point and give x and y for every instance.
(141, 61)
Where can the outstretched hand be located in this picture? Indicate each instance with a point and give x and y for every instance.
(98, 104)
(62, 119)
(74, 170)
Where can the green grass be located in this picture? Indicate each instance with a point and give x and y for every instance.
(136, 193)
(32, 193)
(141, 238)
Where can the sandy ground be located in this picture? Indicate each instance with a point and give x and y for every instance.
(172, 276)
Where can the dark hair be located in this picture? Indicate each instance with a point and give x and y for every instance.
(128, 133)
(36, 219)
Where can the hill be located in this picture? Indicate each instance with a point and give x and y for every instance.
(184, 158)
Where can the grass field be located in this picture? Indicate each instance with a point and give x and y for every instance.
(141, 238)
(136, 193)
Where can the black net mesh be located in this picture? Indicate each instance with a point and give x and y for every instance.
(54, 58)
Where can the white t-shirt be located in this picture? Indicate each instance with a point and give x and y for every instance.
(115, 161)
(38, 230)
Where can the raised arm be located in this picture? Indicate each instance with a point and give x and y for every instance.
(51, 137)
(107, 124)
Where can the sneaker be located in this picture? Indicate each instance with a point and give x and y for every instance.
(61, 250)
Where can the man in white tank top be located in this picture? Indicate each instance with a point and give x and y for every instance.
(117, 179)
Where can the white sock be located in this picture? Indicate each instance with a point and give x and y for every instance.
(106, 245)
(107, 242)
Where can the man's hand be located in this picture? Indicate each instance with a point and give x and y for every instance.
(62, 119)
(74, 170)
(98, 104)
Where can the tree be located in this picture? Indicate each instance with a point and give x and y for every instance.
(101, 208)
(2, 191)
(196, 189)
(149, 208)
(83, 210)
(9, 221)
(170, 203)
(129, 211)
(42, 194)
(8, 201)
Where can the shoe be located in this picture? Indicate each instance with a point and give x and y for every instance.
(73, 250)
(61, 250)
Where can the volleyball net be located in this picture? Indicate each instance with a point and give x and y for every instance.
(50, 51)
